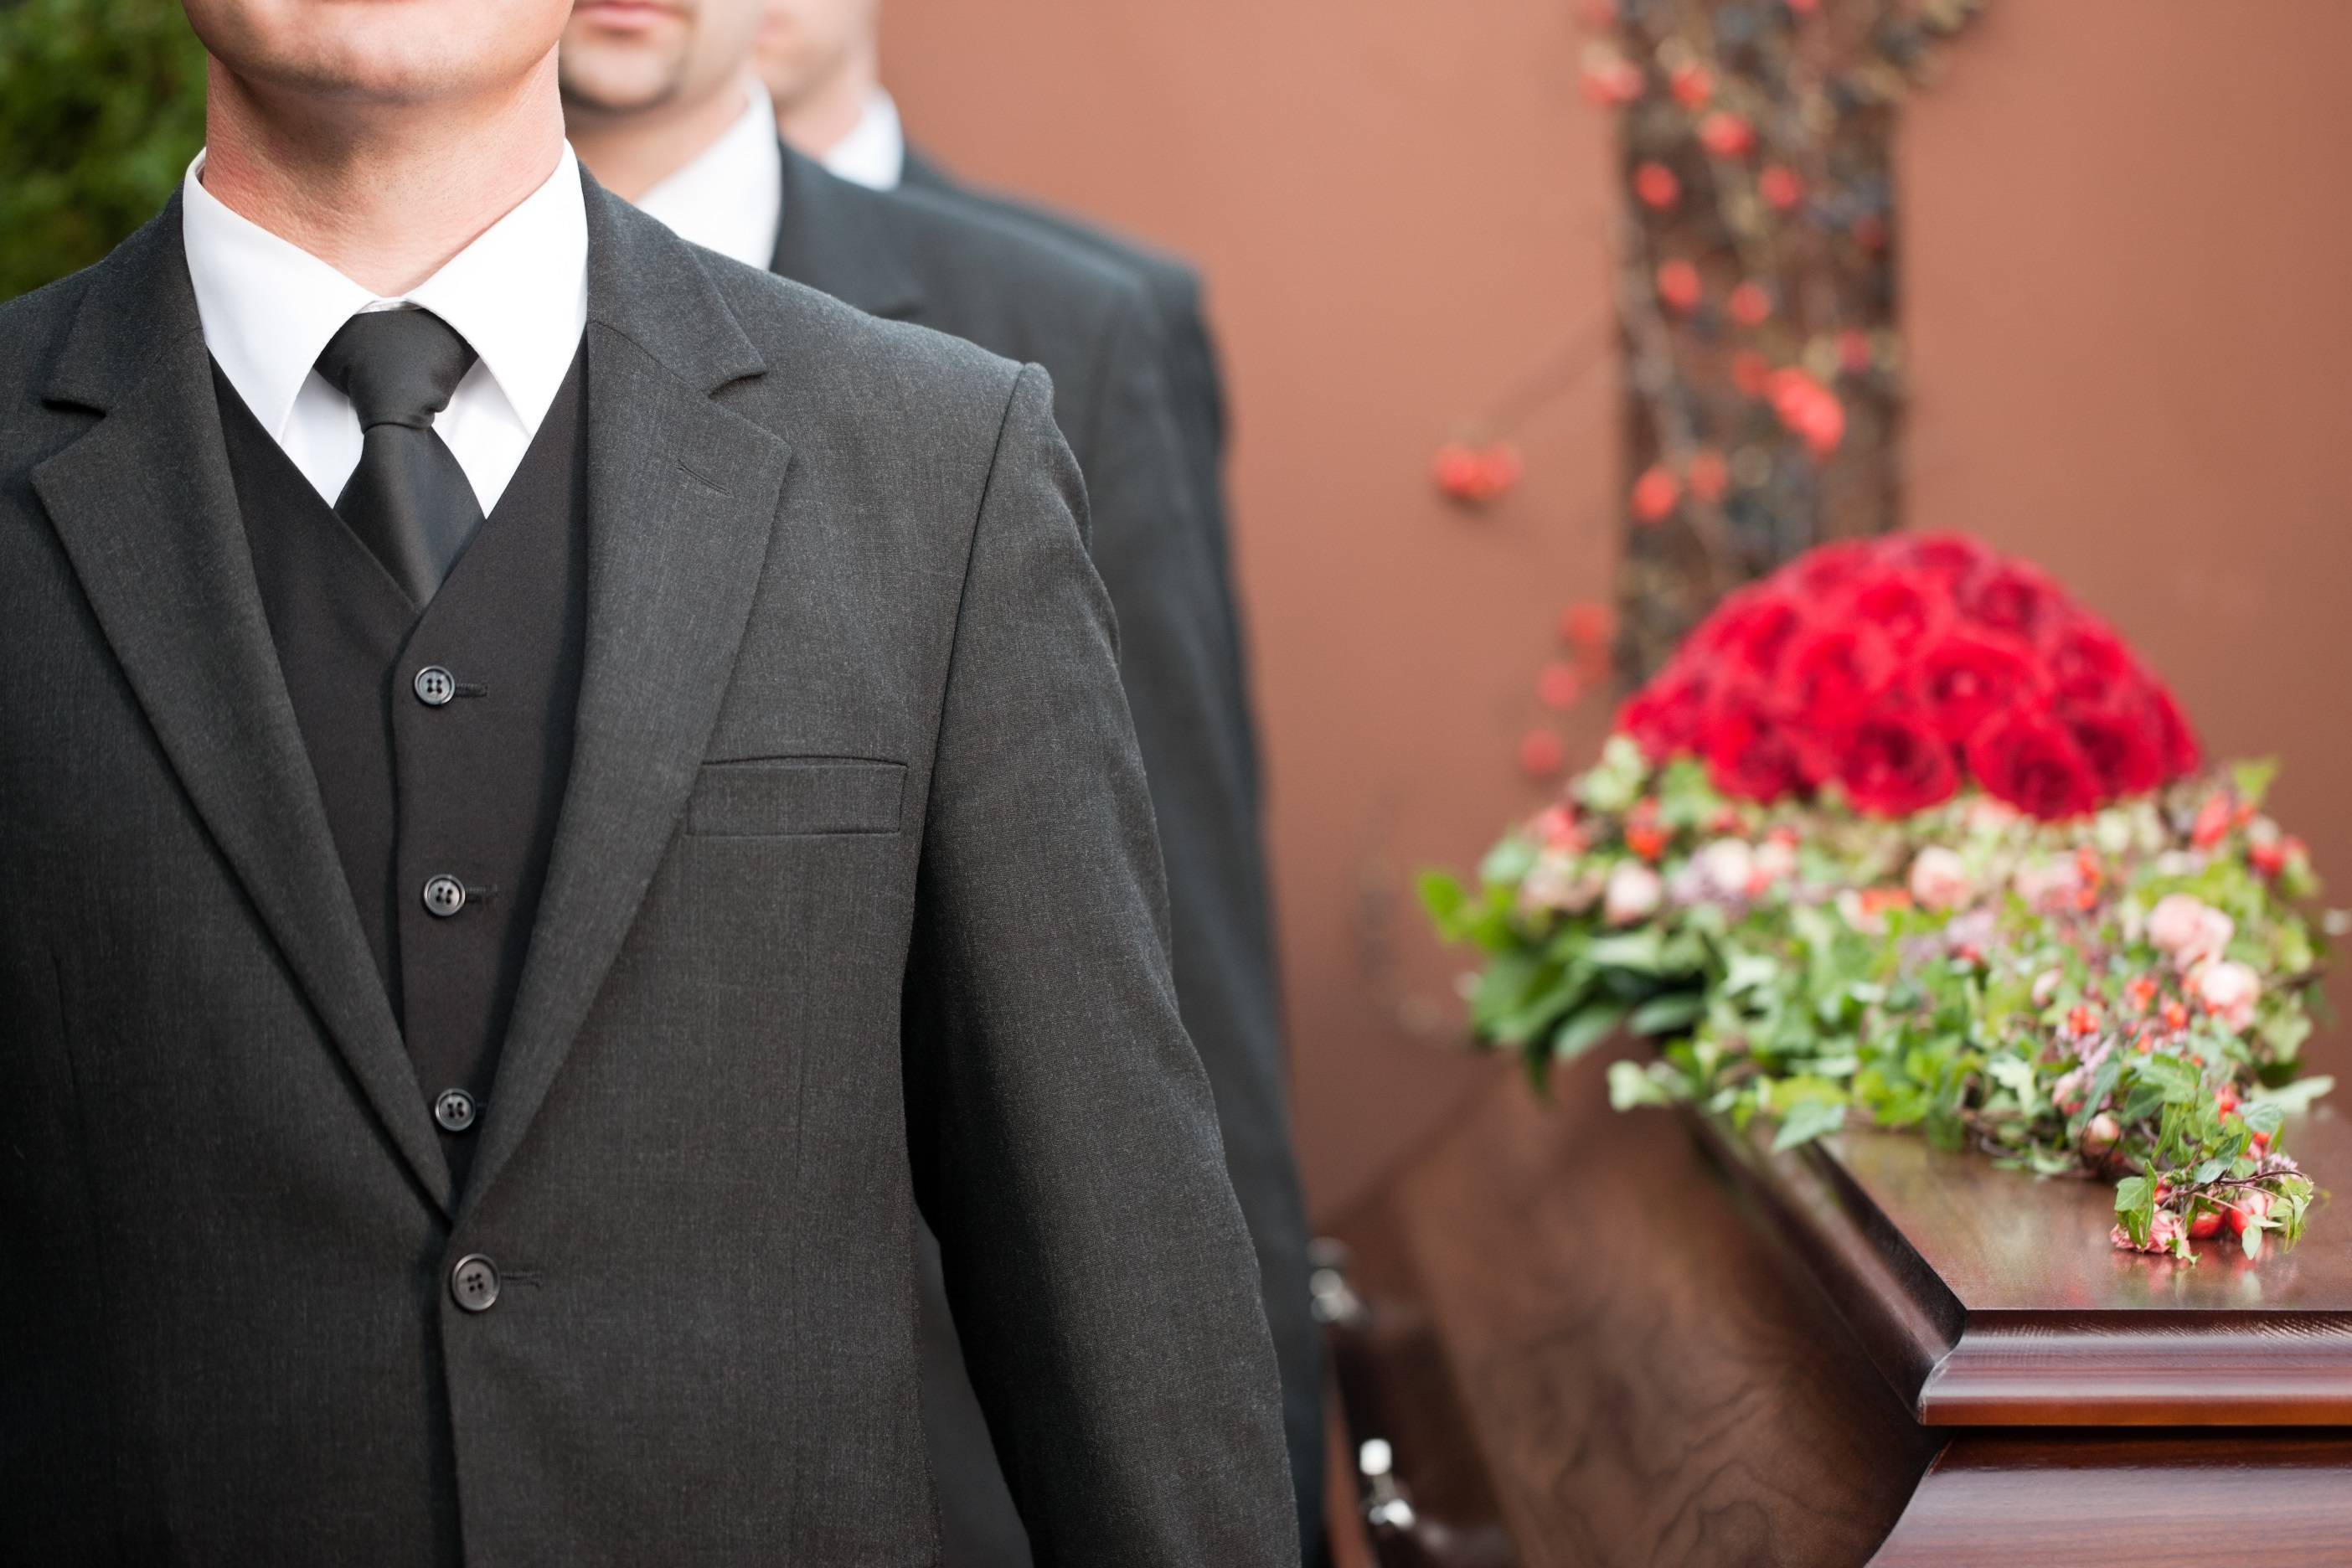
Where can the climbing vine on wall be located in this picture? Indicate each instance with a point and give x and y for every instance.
(1755, 296)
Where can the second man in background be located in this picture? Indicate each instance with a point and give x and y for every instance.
(664, 108)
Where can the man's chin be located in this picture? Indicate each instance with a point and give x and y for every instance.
(594, 93)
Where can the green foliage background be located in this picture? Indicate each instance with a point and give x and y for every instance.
(101, 106)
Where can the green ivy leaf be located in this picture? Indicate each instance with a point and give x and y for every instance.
(1587, 1028)
(1508, 862)
(2294, 1097)
(1808, 1120)
(1630, 1086)
(1668, 1014)
(1442, 895)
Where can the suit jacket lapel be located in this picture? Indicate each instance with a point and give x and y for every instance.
(147, 510)
(682, 502)
(833, 237)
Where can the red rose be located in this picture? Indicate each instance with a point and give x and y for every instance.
(1967, 676)
(2086, 661)
(1751, 631)
(2028, 760)
(1824, 569)
(2011, 597)
(1946, 560)
(1904, 607)
(2174, 737)
(1893, 763)
(1832, 674)
(2122, 746)
(1665, 716)
(1749, 756)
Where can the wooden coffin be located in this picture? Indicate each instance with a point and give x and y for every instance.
(1573, 1336)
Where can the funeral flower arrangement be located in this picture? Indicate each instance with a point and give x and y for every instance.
(1905, 835)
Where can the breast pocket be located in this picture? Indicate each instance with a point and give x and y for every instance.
(779, 797)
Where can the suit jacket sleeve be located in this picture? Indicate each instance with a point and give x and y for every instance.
(1064, 1139)
(1155, 545)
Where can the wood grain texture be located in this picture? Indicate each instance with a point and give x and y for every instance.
(2170, 1499)
(1642, 1372)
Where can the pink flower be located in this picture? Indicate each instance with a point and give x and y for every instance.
(2189, 929)
(2228, 989)
(1633, 893)
(1556, 882)
(2162, 1232)
(1555, 827)
(1939, 878)
(2101, 1133)
(2042, 883)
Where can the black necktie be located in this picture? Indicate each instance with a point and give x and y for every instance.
(408, 500)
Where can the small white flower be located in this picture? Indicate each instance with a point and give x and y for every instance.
(1633, 894)
(1728, 864)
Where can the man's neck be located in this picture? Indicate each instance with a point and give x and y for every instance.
(630, 154)
(815, 120)
(387, 196)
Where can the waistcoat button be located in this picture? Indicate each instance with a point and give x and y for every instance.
(475, 1283)
(434, 686)
(444, 897)
(455, 1110)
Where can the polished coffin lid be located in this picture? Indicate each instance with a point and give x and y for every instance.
(1988, 1298)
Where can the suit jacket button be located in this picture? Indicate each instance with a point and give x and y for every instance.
(454, 1109)
(444, 897)
(475, 1283)
(434, 686)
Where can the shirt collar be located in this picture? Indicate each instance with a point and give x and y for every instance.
(730, 196)
(874, 153)
(518, 294)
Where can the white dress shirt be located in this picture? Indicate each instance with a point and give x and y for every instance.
(730, 196)
(874, 153)
(518, 294)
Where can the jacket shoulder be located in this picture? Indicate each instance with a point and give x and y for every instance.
(33, 328)
(1173, 283)
(978, 263)
(814, 342)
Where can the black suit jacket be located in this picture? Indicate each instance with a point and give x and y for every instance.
(1195, 381)
(1095, 326)
(853, 903)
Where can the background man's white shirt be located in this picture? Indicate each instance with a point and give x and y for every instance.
(874, 153)
(518, 294)
(730, 198)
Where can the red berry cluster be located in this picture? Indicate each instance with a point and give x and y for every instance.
(1475, 474)
(1899, 666)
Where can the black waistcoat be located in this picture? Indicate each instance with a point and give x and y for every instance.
(441, 742)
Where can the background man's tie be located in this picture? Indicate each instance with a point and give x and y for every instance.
(408, 500)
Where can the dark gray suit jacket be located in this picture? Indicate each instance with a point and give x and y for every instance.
(1095, 325)
(854, 902)
(1196, 386)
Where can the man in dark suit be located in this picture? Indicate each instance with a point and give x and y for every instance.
(668, 117)
(564, 787)
(820, 60)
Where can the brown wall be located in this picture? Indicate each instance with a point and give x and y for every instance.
(2130, 280)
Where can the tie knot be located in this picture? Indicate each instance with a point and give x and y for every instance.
(398, 367)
